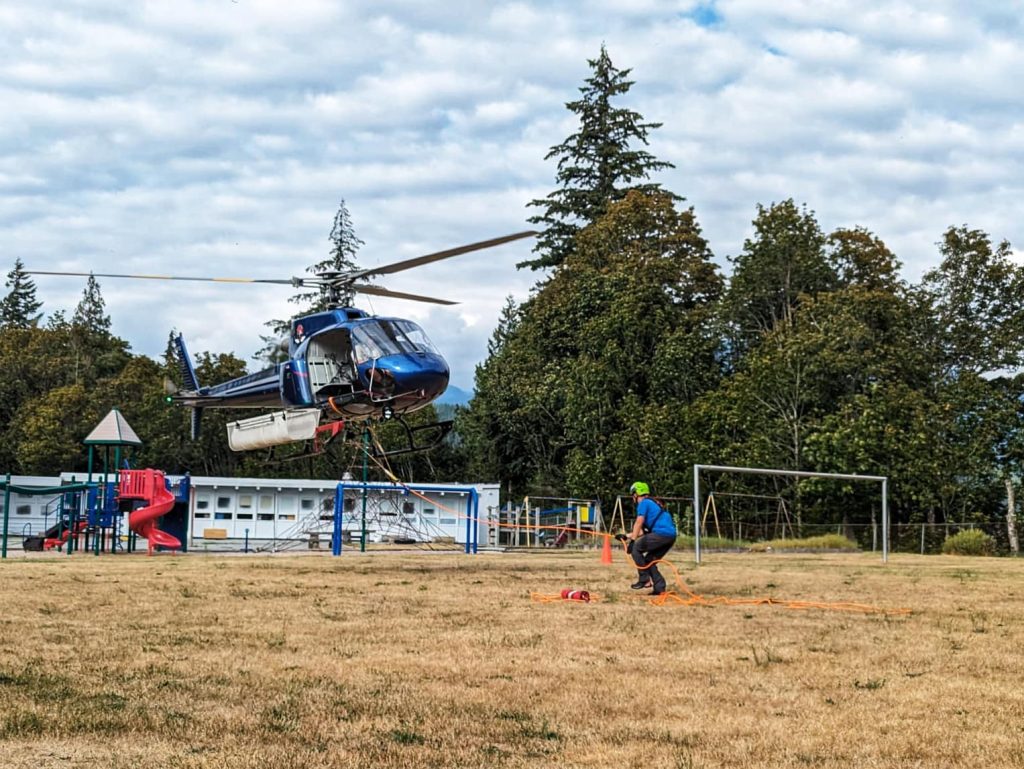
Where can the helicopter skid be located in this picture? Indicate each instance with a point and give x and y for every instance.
(274, 429)
(418, 438)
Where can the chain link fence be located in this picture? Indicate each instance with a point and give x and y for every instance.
(922, 538)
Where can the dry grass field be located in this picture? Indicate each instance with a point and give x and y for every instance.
(443, 660)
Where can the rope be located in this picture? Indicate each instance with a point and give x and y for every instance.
(685, 596)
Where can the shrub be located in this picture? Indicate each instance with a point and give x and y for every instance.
(686, 542)
(969, 542)
(822, 542)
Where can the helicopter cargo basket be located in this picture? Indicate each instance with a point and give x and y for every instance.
(273, 429)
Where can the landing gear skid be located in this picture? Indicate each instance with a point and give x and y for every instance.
(430, 436)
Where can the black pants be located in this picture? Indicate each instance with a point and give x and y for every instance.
(651, 547)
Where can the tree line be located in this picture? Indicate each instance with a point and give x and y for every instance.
(637, 355)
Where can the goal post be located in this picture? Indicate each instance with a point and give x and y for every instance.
(697, 469)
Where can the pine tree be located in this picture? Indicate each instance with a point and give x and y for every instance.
(507, 324)
(20, 308)
(596, 165)
(344, 246)
(90, 314)
(97, 352)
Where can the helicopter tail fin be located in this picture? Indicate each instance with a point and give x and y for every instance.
(188, 372)
(190, 380)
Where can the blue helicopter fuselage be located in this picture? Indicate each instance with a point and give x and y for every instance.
(348, 364)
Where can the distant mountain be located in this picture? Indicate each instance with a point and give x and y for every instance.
(455, 396)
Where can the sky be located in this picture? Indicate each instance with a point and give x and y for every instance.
(218, 137)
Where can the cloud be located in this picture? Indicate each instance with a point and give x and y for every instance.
(217, 138)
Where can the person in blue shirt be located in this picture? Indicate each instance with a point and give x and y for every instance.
(653, 534)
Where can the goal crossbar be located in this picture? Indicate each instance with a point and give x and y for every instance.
(884, 480)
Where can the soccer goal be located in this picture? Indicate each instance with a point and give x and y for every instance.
(698, 469)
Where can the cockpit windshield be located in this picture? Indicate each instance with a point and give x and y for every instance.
(378, 338)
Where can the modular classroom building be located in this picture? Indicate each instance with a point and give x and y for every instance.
(276, 513)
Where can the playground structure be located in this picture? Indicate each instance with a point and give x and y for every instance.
(431, 516)
(389, 512)
(771, 520)
(548, 522)
(90, 516)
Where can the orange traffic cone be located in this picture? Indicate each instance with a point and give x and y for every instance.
(606, 551)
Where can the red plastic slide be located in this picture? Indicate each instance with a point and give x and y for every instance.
(149, 485)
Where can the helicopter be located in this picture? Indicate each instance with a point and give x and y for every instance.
(344, 365)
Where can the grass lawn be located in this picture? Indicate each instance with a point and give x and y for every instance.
(443, 660)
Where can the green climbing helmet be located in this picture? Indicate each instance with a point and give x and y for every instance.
(640, 489)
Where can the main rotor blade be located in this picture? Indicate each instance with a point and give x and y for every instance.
(408, 264)
(287, 281)
(378, 291)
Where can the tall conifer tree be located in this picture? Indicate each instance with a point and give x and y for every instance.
(97, 352)
(20, 308)
(91, 312)
(344, 247)
(597, 165)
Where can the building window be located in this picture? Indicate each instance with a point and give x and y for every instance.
(408, 509)
(448, 521)
(244, 516)
(223, 502)
(307, 503)
(428, 512)
(23, 510)
(202, 515)
(222, 516)
(286, 505)
(245, 500)
(265, 517)
(202, 503)
(266, 502)
(286, 517)
(350, 504)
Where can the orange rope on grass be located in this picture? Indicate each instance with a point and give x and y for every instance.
(689, 598)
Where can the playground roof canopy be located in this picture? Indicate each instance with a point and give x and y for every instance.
(113, 430)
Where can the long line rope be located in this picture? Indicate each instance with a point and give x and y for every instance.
(684, 597)
(687, 597)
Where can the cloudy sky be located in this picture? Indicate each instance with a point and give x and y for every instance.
(217, 137)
